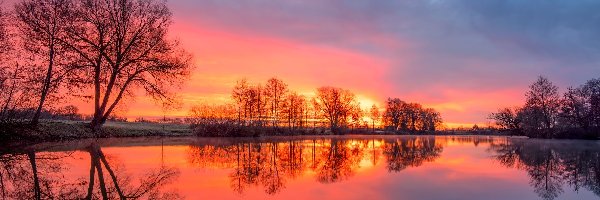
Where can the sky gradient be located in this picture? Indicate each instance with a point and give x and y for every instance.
(463, 58)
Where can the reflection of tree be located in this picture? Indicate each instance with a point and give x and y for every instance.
(550, 165)
(258, 164)
(33, 175)
(340, 162)
(271, 164)
(411, 152)
(121, 187)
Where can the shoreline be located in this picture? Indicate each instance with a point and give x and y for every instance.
(57, 131)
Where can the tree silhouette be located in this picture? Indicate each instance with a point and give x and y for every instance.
(336, 105)
(542, 104)
(275, 90)
(124, 46)
(374, 114)
(400, 115)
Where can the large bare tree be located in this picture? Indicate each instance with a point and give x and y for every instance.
(543, 102)
(336, 105)
(394, 114)
(124, 45)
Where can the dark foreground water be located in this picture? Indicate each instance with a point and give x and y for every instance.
(346, 167)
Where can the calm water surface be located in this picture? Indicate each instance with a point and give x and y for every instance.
(346, 167)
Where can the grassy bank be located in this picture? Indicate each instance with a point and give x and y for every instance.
(71, 130)
(49, 131)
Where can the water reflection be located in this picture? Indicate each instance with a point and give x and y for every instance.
(551, 165)
(27, 175)
(32, 175)
(401, 154)
(271, 164)
(130, 169)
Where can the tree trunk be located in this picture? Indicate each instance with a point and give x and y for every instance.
(36, 181)
(45, 87)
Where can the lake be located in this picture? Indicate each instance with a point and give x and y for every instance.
(306, 167)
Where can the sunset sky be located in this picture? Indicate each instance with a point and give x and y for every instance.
(463, 58)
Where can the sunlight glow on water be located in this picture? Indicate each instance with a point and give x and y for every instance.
(344, 167)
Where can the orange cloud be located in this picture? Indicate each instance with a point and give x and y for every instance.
(223, 56)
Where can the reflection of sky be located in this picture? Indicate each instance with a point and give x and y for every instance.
(464, 58)
(463, 171)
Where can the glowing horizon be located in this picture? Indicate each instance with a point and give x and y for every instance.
(464, 64)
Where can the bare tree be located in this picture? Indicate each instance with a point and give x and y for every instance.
(581, 106)
(430, 119)
(275, 90)
(251, 100)
(508, 119)
(413, 111)
(335, 104)
(294, 108)
(41, 25)
(543, 102)
(259, 101)
(591, 89)
(125, 47)
(394, 115)
(239, 96)
(374, 115)
(575, 111)
(410, 116)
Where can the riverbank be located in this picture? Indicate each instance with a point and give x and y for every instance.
(52, 131)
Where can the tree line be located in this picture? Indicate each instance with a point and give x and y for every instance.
(99, 51)
(400, 115)
(548, 114)
(275, 108)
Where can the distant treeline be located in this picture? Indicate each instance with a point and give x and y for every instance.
(548, 114)
(100, 51)
(273, 109)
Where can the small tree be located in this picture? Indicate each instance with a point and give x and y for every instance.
(508, 119)
(374, 115)
(275, 91)
(294, 108)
